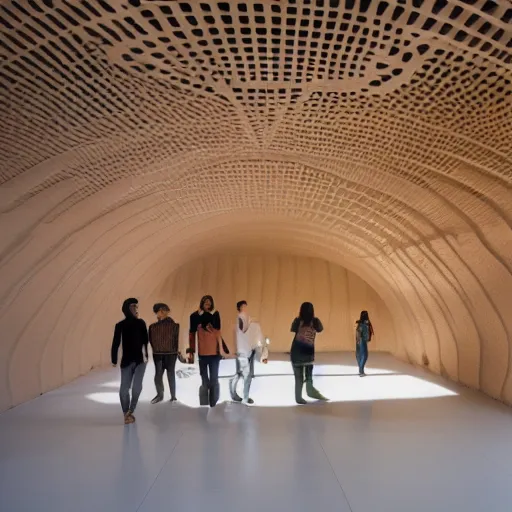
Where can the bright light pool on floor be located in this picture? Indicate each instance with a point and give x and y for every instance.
(273, 385)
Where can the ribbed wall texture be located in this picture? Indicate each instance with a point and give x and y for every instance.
(136, 137)
(274, 287)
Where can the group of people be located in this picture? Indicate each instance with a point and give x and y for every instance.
(205, 339)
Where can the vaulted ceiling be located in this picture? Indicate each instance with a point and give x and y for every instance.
(136, 135)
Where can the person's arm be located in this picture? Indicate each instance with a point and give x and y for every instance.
(214, 328)
(264, 352)
(295, 325)
(367, 334)
(175, 342)
(216, 321)
(150, 336)
(191, 350)
(115, 344)
(145, 341)
(318, 325)
(358, 333)
(243, 326)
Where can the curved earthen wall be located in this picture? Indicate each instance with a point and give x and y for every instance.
(139, 136)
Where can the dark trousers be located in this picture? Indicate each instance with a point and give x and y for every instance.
(209, 371)
(165, 362)
(361, 355)
(302, 373)
(131, 378)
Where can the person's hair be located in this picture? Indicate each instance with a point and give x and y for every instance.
(364, 317)
(307, 313)
(204, 299)
(126, 306)
(240, 303)
(160, 305)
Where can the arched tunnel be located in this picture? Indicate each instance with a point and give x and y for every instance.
(355, 154)
(140, 137)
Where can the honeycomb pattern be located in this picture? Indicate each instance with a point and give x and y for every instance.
(138, 135)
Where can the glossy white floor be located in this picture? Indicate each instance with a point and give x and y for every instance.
(399, 440)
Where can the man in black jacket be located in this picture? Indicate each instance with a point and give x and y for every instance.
(132, 333)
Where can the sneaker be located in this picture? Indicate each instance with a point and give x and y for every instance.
(249, 401)
(173, 399)
(157, 399)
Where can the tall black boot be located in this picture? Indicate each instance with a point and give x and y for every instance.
(203, 395)
(214, 394)
(298, 372)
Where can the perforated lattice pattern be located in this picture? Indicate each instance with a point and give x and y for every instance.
(137, 134)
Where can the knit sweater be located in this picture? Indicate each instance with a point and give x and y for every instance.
(164, 336)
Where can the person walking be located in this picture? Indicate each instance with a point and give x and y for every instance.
(164, 341)
(205, 330)
(246, 345)
(302, 353)
(132, 333)
(364, 333)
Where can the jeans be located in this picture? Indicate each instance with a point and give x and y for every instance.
(361, 355)
(131, 377)
(165, 362)
(209, 371)
(244, 369)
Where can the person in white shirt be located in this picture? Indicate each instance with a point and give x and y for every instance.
(248, 340)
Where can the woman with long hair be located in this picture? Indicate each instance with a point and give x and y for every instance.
(364, 333)
(205, 328)
(302, 354)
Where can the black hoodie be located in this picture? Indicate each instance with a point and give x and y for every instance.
(133, 334)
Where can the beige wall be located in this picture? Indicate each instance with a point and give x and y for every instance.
(61, 295)
(274, 286)
(449, 298)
